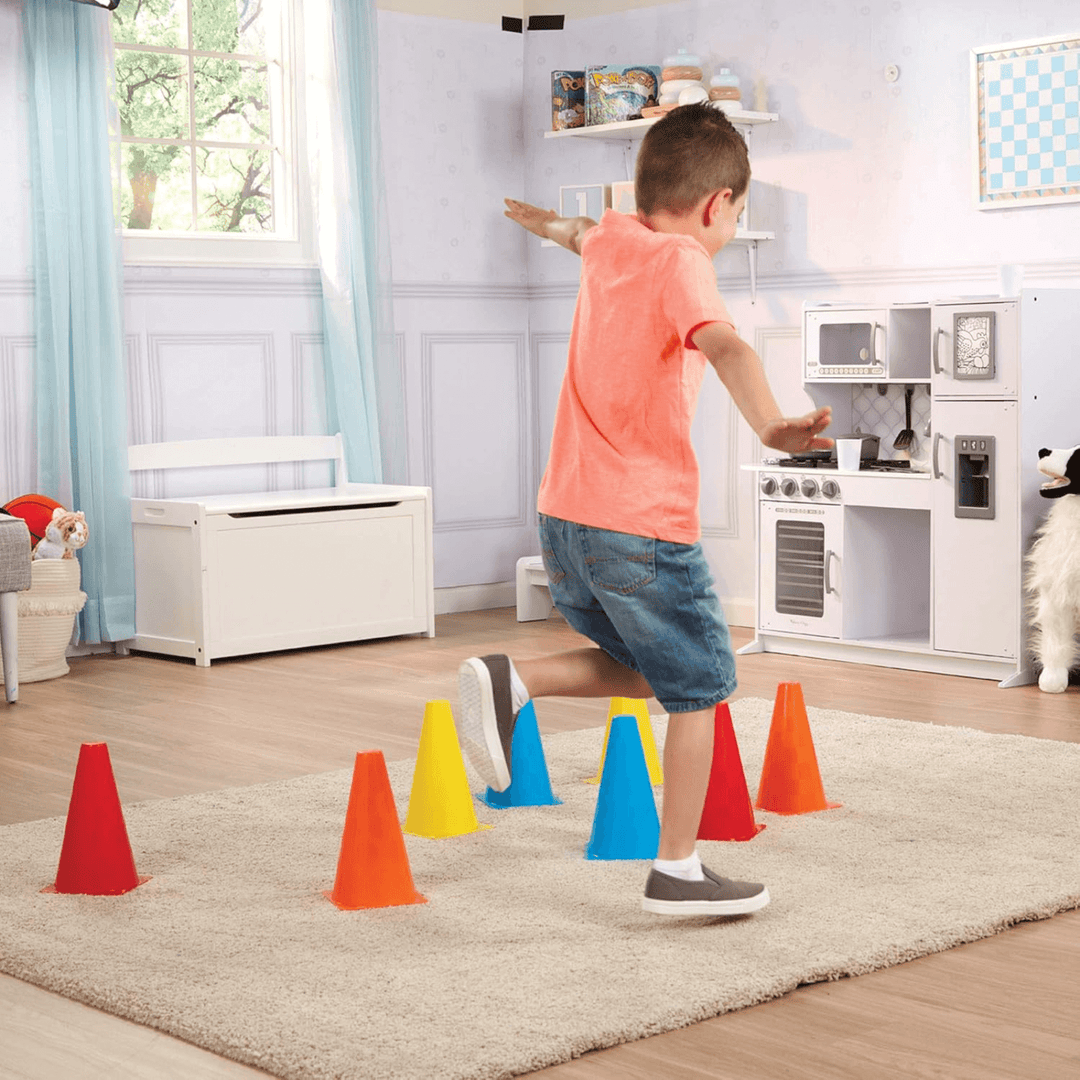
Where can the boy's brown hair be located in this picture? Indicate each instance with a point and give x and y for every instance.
(691, 152)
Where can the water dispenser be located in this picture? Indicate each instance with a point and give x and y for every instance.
(975, 476)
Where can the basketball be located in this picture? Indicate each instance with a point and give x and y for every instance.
(35, 510)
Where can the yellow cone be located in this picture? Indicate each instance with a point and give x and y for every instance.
(621, 706)
(441, 804)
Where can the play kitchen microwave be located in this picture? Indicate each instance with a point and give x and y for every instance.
(855, 343)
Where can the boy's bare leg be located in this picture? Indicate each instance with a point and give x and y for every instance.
(581, 673)
(687, 765)
(687, 749)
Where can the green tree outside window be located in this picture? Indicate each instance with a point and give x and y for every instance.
(193, 87)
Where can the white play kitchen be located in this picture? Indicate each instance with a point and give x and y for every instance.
(914, 559)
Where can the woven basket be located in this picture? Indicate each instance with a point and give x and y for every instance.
(47, 613)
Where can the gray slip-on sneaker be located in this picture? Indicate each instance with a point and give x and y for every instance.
(666, 895)
(486, 721)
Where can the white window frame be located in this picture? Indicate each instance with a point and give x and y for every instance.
(292, 243)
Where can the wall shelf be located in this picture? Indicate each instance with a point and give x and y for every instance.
(635, 129)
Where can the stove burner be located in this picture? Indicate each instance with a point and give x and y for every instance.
(813, 462)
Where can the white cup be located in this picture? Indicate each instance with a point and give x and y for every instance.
(848, 454)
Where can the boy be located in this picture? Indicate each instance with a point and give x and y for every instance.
(619, 526)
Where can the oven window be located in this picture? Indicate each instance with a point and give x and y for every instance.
(845, 344)
(800, 568)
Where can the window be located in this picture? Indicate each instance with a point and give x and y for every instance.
(205, 165)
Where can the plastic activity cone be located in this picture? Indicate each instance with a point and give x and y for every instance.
(529, 781)
(95, 858)
(625, 824)
(727, 814)
(637, 707)
(373, 867)
(441, 803)
(790, 779)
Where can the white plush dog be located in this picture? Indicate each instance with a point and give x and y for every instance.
(1053, 571)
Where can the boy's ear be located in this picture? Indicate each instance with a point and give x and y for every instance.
(713, 204)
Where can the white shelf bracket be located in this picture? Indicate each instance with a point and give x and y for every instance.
(751, 257)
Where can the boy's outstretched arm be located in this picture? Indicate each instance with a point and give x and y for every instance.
(548, 225)
(740, 370)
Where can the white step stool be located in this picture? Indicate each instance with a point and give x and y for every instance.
(533, 594)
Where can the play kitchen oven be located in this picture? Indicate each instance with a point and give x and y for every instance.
(802, 536)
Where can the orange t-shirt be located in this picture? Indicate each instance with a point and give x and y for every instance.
(621, 457)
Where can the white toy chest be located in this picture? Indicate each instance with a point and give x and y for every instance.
(231, 575)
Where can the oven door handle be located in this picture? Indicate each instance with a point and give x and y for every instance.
(829, 556)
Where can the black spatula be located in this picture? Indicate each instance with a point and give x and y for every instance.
(906, 437)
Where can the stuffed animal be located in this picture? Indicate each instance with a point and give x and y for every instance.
(65, 533)
(1053, 571)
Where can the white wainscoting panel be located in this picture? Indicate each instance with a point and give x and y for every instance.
(17, 471)
(475, 429)
(204, 386)
(549, 352)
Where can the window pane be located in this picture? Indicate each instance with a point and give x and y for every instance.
(155, 189)
(232, 101)
(234, 191)
(151, 93)
(230, 26)
(151, 22)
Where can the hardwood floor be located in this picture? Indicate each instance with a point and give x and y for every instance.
(1005, 1008)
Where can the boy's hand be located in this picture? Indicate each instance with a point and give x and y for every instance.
(797, 435)
(529, 217)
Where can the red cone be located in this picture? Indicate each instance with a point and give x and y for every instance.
(728, 814)
(96, 856)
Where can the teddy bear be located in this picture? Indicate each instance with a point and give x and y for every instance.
(1053, 571)
(64, 534)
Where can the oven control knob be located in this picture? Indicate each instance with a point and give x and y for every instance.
(788, 485)
(768, 485)
(809, 487)
(830, 489)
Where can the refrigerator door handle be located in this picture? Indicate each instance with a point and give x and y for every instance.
(934, 456)
(937, 341)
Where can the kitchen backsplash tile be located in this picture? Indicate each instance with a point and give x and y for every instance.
(879, 414)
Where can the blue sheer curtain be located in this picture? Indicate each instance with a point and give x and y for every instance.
(365, 396)
(79, 388)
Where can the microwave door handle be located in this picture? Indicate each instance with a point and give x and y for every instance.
(934, 456)
(875, 327)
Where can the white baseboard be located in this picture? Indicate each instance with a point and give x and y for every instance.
(460, 598)
(739, 611)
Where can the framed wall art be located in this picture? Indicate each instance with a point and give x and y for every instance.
(1026, 108)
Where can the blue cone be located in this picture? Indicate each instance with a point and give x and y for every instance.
(625, 825)
(529, 782)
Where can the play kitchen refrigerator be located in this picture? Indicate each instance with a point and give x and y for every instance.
(919, 564)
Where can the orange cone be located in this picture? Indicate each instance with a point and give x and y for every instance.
(96, 858)
(727, 814)
(373, 867)
(790, 780)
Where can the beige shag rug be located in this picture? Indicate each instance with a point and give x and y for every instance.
(527, 954)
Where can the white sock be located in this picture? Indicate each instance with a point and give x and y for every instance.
(518, 693)
(689, 869)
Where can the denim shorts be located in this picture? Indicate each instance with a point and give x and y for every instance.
(647, 603)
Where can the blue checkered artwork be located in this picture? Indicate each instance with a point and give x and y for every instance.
(1028, 100)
